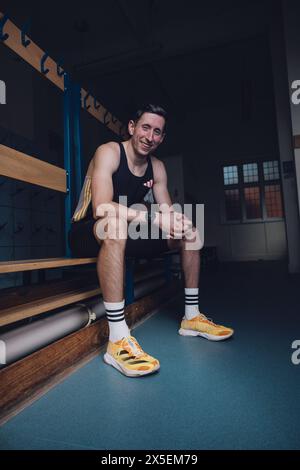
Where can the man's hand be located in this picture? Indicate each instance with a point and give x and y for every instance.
(175, 224)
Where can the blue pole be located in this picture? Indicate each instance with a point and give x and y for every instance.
(76, 98)
(67, 158)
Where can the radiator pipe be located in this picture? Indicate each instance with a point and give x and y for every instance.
(21, 341)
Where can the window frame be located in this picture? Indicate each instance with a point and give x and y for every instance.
(261, 184)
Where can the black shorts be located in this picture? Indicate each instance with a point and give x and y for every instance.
(83, 243)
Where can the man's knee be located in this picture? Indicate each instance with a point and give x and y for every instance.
(190, 241)
(193, 240)
(111, 229)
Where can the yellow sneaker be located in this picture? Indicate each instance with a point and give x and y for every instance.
(127, 356)
(202, 326)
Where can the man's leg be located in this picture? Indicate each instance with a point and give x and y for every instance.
(123, 352)
(195, 323)
(110, 262)
(110, 269)
(190, 261)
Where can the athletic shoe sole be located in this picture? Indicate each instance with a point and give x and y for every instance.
(184, 332)
(129, 373)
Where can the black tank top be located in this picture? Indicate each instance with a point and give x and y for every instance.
(127, 184)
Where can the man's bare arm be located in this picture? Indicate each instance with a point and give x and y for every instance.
(105, 163)
(160, 187)
(173, 222)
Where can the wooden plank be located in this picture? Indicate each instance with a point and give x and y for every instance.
(28, 301)
(102, 114)
(20, 166)
(36, 307)
(31, 377)
(297, 141)
(13, 296)
(32, 54)
(37, 304)
(46, 263)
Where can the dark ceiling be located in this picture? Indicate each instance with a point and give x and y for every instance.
(130, 51)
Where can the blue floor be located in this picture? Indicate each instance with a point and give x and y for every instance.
(239, 394)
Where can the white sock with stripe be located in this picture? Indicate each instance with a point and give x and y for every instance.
(191, 302)
(118, 328)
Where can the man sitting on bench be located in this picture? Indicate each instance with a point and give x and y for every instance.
(104, 218)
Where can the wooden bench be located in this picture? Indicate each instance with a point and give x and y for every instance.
(17, 165)
(23, 302)
(20, 303)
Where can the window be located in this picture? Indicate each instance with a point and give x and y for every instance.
(252, 191)
(252, 202)
(271, 171)
(230, 175)
(250, 172)
(273, 200)
(232, 202)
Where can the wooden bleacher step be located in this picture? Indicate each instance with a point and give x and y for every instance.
(45, 263)
(36, 307)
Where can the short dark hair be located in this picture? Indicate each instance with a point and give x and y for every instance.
(151, 108)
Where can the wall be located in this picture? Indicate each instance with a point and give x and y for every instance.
(291, 11)
(31, 217)
(17, 114)
(31, 121)
(234, 122)
(174, 168)
(281, 62)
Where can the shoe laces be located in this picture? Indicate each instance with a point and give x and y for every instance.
(131, 345)
(208, 320)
